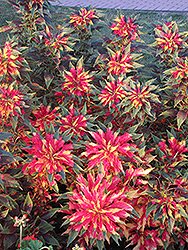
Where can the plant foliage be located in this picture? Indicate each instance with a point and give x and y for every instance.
(93, 136)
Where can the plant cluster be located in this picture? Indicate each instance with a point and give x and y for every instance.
(93, 136)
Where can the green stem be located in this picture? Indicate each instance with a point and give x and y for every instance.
(20, 234)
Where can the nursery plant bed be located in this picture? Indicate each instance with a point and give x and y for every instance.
(93, 128)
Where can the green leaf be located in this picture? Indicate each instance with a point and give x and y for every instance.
(12, 202)
(82, 232)
(28, 204)
(1, 227)
(67, 221)
(92, 240)
(50, 177)
(50, 213)
(135, 213)
(26, 248)
(100, 244)
(133, 129)
(9, 181)
(72, 237)
(62, 173)
(84, 110)
(104, 234)
(18, 174)
(64, 196)
(160, 152)
(1, 183)
(167, 176)
(181, 117)
(136, 136)
(77, 169)
(150, 208)
(158, 213)
(80, 62)
(182, 211)
(55, 188)
(102, 126)
(35, 244)
(48, 79)
(27, 122)
(51, 240)
(149, 237)
(167, 113)
(182, 247)
(101, 168)
(5, 153)
(178, 100)
(4, 213)
(9, 240)
(66, 136)
(45, 101)
(14, 121)
(156, 139)
(45, 227)
(116, 238)
(127, 49)
(8, 160)
(170, 135)
(4, 136)
(165, 244)
(171, 223)
(8, 230)
(152, 194)
(56, 135)
(111, 52)
(52, 129)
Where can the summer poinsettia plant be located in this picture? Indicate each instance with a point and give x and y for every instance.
(83, 18)
(49, 158)
(111, 94)
(77, 81)
(10, 60)
(140, 99)
(107, 149)
(171, 151)
(76, 123)
(11, 101)
(44, 117)
(122, 61)
(56, 42)
(169, 40)
(126, 30)
(97, 210)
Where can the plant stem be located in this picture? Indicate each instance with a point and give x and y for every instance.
(20, 234)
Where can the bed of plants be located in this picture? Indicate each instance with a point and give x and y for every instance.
(93, 132)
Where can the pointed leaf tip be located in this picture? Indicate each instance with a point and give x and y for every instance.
(181, 117)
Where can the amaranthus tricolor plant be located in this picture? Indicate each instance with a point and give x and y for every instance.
(93, 134)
